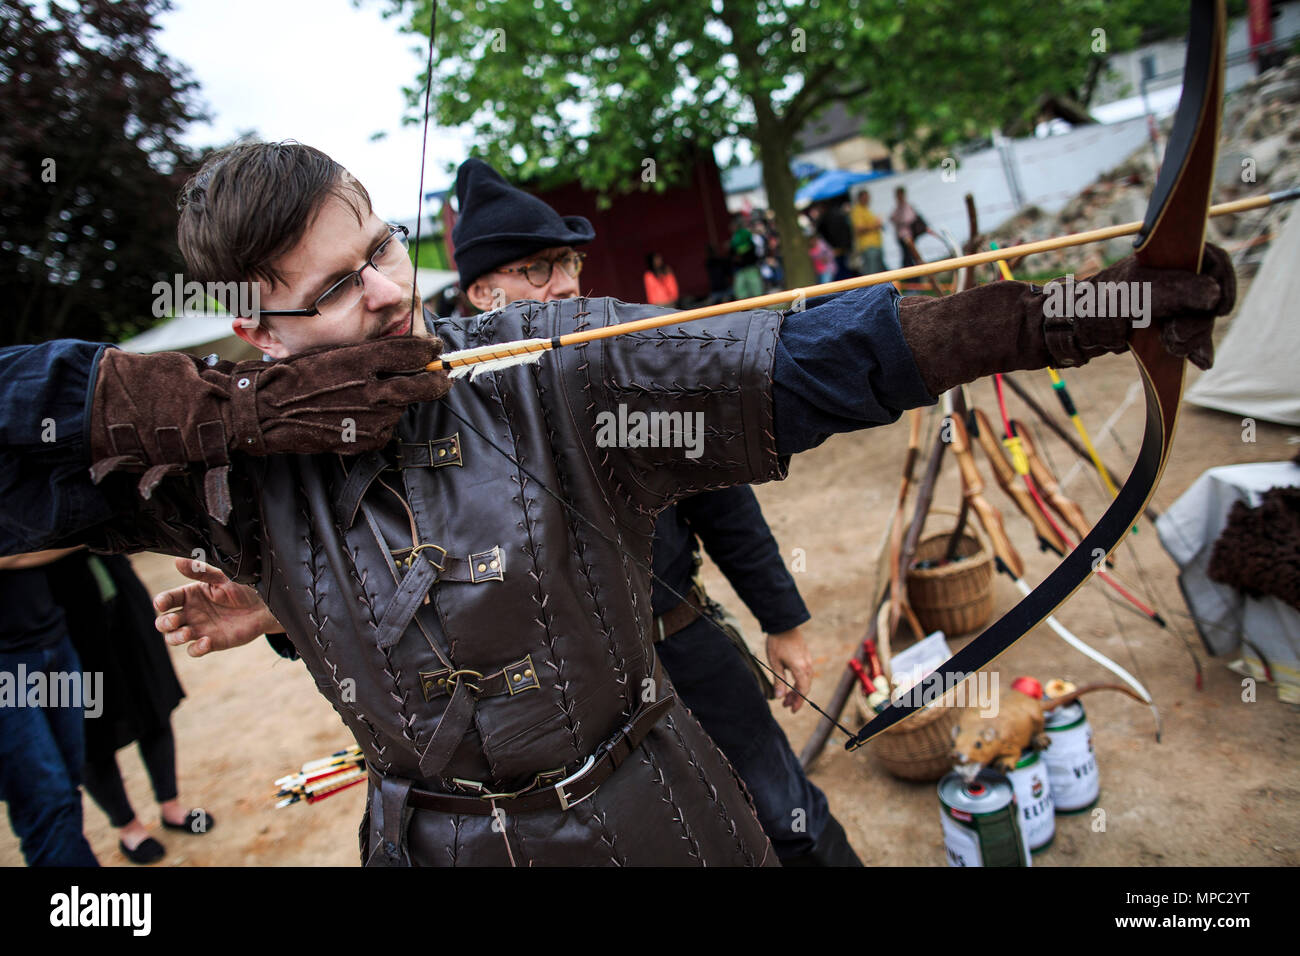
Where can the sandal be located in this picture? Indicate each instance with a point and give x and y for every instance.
(197, 821)
(148, 851)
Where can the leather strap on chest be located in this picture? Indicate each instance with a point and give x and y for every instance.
(364, 471)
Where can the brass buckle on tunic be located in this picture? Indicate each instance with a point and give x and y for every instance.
(409, 554)
(454, 678)
(437, 682)
(445, 451)
(480, 789)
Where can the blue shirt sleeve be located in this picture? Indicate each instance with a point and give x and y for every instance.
(842, 364)
(730, 525)
(45, 488)
(48, 500)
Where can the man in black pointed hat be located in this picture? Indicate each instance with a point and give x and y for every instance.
(509, 243)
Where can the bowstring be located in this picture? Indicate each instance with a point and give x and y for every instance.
(424, 149)
(1112, 602)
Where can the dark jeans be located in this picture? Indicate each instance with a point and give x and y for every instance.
(40, 765)
(104, 780)
(712, 679)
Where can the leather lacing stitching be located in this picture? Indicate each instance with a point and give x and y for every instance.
(693, 845)
(712, 792)
(315, 570)
(580, 539)
(527, 502)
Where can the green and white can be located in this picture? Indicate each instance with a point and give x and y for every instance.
(1071, 761)
(980, 821)
(1033, 787)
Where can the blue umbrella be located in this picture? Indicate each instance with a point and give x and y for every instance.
(835, 182)
(805, 170)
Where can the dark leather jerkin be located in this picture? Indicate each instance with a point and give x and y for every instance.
(468, 627)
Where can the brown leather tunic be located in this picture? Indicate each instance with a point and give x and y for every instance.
(550, 602)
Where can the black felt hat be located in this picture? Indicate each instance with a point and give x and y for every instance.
(499, 223)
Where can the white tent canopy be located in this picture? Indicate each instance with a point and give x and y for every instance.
(1255, 366)
(188, 332)
(199, 334)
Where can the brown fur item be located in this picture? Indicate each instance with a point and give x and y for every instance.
(998, 741)
(1258, 551)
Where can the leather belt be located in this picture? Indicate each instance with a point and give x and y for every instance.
(570, 791)
(684, 614)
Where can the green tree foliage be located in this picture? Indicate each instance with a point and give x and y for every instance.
(588, 89)
(90, 118)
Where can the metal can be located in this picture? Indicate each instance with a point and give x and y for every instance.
(1071, 762)
(979, 817)
(1033, 788)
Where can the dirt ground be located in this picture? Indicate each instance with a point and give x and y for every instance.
(1222, 786)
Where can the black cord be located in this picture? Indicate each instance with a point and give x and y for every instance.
(424, 149)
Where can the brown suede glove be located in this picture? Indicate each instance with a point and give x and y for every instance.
(1005, 326)
(159, 412)
(1183, 304)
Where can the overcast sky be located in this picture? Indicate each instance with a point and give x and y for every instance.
(323, 72)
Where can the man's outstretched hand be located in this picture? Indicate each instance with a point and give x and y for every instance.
(212, 614)
(1184, 304)
(1006, 326)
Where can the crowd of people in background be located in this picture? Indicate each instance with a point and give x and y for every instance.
(845, 238)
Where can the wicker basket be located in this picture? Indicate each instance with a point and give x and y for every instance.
(956, 598)
(918, 748)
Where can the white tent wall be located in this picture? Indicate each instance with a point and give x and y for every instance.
(194, 335)
(1256, 369)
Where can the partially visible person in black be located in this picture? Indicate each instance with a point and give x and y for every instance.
(110, 619)
(41, 746)
(719, 267)
(718, 681)
(833, 225)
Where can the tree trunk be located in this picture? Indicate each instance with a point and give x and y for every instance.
(774, 153)
(774, 142)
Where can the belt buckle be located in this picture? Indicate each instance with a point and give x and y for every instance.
(565, 801)
(455, 677)
(408, 556)
(420, 547)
